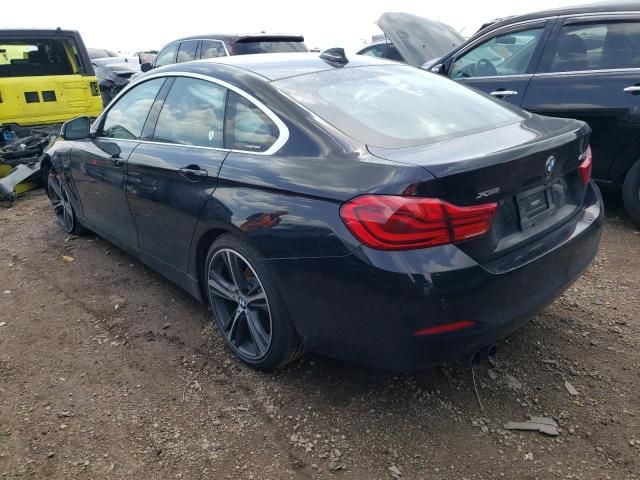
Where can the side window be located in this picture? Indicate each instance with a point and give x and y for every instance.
(187, 51)
(508, 54)
(192, 114)
(597, 46)
(247, 127)
(127, 117)
(167, 56)
(212, 49)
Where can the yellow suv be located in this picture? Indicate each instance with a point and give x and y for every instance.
(45, 77)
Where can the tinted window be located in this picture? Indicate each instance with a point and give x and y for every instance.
(248, 127)
(597, 46)
(35, 57)
(187, 51)
(243, 48)
(212, 49)
(167, 56)
(192, 114)
(508, 54)
(126, 118)
(396, 105)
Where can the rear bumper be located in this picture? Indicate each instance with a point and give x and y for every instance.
(366, 307)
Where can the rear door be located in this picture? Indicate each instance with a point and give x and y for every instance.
(502, 62)
(99, 164)
(174, 171)
(590, 70)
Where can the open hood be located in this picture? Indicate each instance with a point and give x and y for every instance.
(418, 39)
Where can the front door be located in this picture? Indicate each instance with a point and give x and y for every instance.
(502, 63)
(99, 164)
(171, 177)
(591, 71)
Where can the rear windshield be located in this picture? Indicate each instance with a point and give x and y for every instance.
(37, 57)
(245, 48)
(396, 105)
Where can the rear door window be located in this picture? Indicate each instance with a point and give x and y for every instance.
(247, 126)
(127, 117)
(212, 49)
(187, 51)
(192, 114)
(37, 57)
(597, 46)
(507, 54)
(167, 55)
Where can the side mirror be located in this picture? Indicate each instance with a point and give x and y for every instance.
(76, 129)
(437, 68)
(105, 84)
(145, 67)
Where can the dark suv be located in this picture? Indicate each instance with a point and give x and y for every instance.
(211, 46)
(580, 62)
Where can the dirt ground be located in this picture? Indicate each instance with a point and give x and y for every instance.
(109, 371)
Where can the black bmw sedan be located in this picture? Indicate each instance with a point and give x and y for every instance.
(357, 208)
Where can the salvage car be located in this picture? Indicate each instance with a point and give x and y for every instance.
(353, 207)
(113, 74)
(46, 78)
(96, 53)
(213, 45)
(578, 62)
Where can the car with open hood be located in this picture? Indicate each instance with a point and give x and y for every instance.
(576, 62)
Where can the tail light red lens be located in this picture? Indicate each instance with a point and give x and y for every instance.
(387, 222)
(586, 166)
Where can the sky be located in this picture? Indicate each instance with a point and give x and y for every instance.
(127, 26)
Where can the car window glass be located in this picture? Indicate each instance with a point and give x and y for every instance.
(395, 105)
(167, 56)
(247, 127)
(192, 114)
(187, 51)
(597, 46)
(127, 117)
(374, 51)
(212, 49)
(508, 54)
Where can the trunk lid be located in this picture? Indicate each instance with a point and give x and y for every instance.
(530, 169)
(418, 39)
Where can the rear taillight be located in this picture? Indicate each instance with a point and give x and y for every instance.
(586, 166)
(387, 222)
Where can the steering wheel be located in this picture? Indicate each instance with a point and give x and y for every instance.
(484, 68)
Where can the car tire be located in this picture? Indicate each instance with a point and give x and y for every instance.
(62, 206)
(247, 306)
(631, 192)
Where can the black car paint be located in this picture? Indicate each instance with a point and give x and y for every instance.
(596, 97)
(345, 299)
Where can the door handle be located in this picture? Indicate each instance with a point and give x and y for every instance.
(632, 89)
(503, 93)
(117, 162)
(193, 170)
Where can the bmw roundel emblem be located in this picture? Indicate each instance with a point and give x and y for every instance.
(550, 166)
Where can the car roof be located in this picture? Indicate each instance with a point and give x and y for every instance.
(275, 66)
(598, 7)
(36, 32)
(235, 37)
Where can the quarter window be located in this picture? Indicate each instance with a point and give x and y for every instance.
(187, 51)
(597, 46)
(247, 127)
(508, 54)
(192, 114)
(212, 49)
(167, 56)
(127, 117)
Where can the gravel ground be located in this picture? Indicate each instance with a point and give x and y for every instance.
(109, 371)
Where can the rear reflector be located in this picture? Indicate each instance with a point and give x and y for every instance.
(586, 166)
(445, 328)
(387, 222)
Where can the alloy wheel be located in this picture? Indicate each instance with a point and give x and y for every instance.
(239, 304)
(61, 203)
